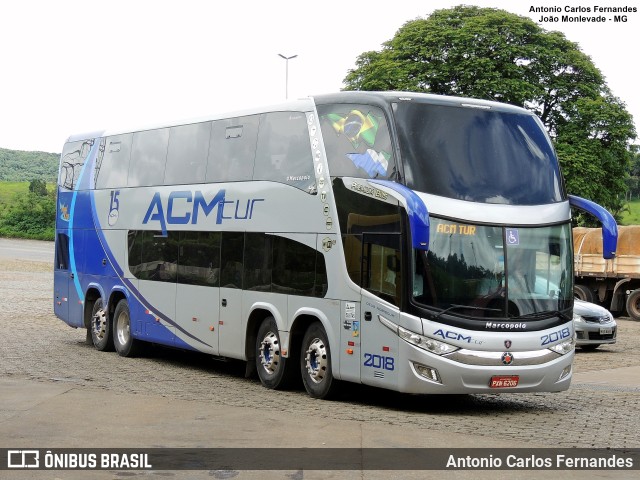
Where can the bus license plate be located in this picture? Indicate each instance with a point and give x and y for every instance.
(606, 331)
(504, 381)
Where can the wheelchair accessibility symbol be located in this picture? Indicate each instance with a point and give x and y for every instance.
(512, 236)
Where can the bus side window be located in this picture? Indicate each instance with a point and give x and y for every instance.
(148, 157)
(113, 170)
(294, 268)
(159, 257)
(187, 155)
(72, 160)
(232, 248)
(381, 265)
(358, 214)
(353, 256)
(284, 152)
(62, 252)
(258, 262)
(357, 141)
(199, 258)
(232, 149)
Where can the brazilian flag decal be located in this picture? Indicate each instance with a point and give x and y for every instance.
(357, 127)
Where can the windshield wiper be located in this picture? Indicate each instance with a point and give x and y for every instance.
(465, 307)
(541, 315)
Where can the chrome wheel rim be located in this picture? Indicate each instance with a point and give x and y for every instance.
(123, 330)
(99, 324)
(270, 353)
(316, 360)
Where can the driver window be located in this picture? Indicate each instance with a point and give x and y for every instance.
(381, 265)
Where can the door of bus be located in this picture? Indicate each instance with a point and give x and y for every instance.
(61, 277)
(230, 305)
(381, 293)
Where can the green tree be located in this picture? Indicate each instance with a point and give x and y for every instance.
(635, 162)
(496, 55)
(633, 180)
(594, 150)
(39, 187)
(30, 216)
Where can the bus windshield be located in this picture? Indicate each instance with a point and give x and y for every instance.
(477, 155)
(489, 271)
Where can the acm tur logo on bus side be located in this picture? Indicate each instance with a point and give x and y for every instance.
(190, 205)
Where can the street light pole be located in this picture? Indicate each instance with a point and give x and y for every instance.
(286, 82)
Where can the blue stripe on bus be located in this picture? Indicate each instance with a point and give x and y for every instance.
(72, 209)
(127, 283)
(417, 212)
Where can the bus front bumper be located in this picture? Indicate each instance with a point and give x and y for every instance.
(483, 372)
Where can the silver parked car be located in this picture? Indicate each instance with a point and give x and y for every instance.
(594, 325)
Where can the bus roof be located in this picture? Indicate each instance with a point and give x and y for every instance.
(304, 104)
(394, 96)
(307, 104)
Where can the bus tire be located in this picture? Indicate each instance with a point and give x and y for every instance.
(315, 363)
(125, 344)
(633, 304)
(273, 370)
(582, 292)
(100, 328)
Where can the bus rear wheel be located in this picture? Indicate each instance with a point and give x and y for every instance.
(315, 363)
(125, 344)
(100, 328)
(273, 369)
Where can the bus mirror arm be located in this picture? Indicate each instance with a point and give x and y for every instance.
(416, 211)
(609, 225)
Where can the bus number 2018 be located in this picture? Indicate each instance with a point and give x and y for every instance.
(379, 361)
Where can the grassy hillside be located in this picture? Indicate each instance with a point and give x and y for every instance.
(8, 190)
(632, 217)
(20, 166)
(24, 214)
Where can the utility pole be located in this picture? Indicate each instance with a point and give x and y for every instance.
(286, 81)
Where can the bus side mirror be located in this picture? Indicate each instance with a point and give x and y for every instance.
(609, 226)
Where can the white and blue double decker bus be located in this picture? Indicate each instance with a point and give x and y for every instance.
(414, 242)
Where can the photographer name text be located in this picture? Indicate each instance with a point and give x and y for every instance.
(584, 14)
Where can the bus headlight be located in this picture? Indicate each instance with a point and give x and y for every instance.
(563, 347)
(428, 344)
(420, 341)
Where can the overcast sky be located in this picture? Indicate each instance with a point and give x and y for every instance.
(71, 66)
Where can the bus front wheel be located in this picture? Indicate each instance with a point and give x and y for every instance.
(100, 328)
(125, 344)
(315, 363)
(272, 367)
